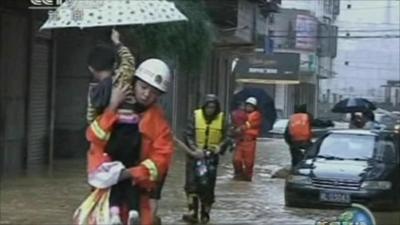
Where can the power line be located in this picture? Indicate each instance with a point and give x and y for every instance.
(370, 68)
(355, 22)
(359, 78)
(346, 30)
(370, 30)
(354, 60)
(343, 1)
(364, 63)
(344, 37)
(368, 8)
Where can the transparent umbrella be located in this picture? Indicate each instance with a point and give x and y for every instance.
(98, 13)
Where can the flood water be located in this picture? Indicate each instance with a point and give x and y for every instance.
(52, 199)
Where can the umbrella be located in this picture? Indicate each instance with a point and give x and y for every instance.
(265, 103)
(351, 105)
(97, 13)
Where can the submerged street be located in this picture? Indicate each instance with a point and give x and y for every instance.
(43, 199)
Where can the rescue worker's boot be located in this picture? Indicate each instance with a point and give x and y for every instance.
(237, 176)
(193, 206)
(133, 218)
(205, 213)
(157, 220)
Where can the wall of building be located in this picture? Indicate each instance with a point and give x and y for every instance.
(25, 89)
(13, 89)
(72, 84)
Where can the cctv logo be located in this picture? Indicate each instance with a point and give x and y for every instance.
(45, 4)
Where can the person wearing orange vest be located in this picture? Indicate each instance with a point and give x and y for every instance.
(243, 161)
(298, 133)
(156, 144)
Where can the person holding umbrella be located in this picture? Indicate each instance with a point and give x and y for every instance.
(356, 121)
(149, 83)
(353, 105)
(156, 141)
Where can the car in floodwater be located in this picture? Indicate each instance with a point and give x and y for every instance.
(348, 166)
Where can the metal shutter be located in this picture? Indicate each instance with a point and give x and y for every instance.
(38, 108)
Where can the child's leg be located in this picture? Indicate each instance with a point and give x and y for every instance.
(116, 195)
(115, 204)
(131, 195)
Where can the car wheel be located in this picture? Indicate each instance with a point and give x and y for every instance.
(397, 201)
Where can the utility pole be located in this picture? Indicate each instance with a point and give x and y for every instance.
(388, 15)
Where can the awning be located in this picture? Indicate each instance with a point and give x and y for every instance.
(277, 68)
(263, 81)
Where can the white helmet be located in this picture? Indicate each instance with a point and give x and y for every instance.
(252, 101)
(154, 72)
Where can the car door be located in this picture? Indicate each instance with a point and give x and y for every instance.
(390, 157)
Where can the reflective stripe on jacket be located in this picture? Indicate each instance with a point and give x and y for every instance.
(156, 150)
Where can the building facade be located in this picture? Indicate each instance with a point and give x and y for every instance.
(44, 82)
(27, 83)
(302, 28)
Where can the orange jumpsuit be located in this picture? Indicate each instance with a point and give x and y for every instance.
(156, 153)
(243, 161)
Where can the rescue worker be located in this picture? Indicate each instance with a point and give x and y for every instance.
(298, 133)
(238, 119)
(151, 80)
(243, 160)
(204, 137)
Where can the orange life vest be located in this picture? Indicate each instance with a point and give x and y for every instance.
(300, 127)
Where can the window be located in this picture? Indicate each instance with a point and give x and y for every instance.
(386, 152)
(328, 6)
(348, 146)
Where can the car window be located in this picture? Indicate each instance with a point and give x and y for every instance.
(385, 119)
(348, 146)
(279, 113)
(281, 123)
(386, 152)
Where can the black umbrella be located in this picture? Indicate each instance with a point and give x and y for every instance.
(265, 103)
(351, 105)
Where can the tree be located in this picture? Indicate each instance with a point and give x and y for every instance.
(186, 43)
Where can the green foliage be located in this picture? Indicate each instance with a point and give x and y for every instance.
(186, 43)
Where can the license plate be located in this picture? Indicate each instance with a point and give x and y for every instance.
(335, 197)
